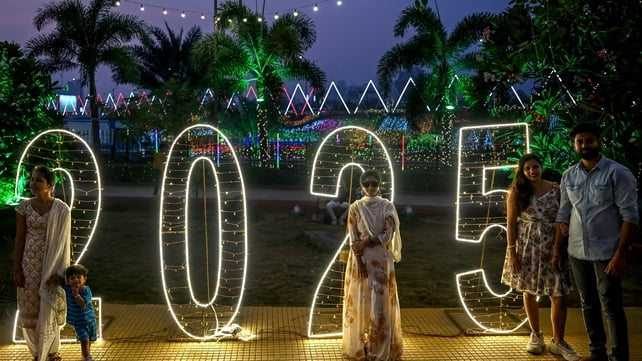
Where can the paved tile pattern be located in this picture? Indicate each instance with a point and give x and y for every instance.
(148, 332)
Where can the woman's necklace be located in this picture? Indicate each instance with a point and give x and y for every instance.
(41, 206)
(540, 189)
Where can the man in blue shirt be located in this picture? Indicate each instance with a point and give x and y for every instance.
(599, 205)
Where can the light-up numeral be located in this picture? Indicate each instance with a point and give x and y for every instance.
(78, 185)
(203, 258)
(483, 163)
(344, 149)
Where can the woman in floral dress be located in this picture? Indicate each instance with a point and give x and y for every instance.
(371, 314)
(531, 208)
(42, 253)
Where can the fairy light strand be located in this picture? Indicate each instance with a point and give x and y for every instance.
(185, 13)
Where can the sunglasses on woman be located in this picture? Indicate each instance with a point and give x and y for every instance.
(373, 184)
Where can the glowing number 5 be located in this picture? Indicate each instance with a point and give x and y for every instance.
(482, 153)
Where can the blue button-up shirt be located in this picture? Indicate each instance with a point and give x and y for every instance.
(595, 203)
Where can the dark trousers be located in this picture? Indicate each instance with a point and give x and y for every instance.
(601, 292)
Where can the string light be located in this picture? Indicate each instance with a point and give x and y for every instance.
(484, 153)
(275, 14)
(343, 150)
(75, 165)
(183, 14)
(203, 145)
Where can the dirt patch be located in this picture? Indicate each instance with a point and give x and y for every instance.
(285, 262)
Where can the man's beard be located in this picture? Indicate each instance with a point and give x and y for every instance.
(590, 154)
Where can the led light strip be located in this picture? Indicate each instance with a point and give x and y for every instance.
(345, 147)
(482, 205)
(202, 319)
(67, 153)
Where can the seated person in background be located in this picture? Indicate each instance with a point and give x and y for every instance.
(340, 202)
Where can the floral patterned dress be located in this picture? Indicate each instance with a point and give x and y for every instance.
(32, 264)
(371, 313)
(535, 238)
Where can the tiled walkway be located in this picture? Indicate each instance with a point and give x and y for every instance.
(148, 332)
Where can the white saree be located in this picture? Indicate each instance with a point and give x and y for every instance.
(44, 338)
(371, 312)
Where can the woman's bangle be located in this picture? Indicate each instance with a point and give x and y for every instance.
(512, 246)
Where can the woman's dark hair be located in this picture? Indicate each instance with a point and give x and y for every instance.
(369, 173)
(46, 172)
(76, 269)
(521, 189)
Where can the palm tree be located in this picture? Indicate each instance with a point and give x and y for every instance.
(247, 50)
(164, 55)
(442, 56)
(86, 36)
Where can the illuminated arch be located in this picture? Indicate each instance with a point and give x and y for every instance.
(484, 153)
(344, 148)
(78, 185)
(201, 316)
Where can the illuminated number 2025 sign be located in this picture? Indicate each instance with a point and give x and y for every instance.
(203, 264)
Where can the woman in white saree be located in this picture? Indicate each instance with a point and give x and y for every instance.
(371, 314)
(42, 253)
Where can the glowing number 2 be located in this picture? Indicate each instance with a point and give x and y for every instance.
(343, 148)
(480, 209)
(78, 175)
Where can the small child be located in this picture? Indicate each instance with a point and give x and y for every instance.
(80, 310)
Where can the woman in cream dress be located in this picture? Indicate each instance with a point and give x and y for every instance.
(371, 314)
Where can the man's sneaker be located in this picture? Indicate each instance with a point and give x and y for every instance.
(536, 344)
(565, 350)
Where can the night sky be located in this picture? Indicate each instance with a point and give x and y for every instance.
(350, 38)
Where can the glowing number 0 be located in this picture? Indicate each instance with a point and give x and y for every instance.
(477, 199)
(345, 147)
(202, 319)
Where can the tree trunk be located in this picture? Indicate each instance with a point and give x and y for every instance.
(95, 121)
(264, 150)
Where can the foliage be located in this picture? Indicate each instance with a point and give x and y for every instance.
(242, 52)
(165, 56)
(444, 57)
(24, 87)
(583, 58)
(172, 108)
(86, 36)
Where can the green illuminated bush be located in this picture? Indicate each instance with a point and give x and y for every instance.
(24, 90)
